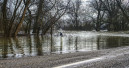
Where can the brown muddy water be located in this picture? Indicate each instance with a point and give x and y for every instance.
(69, 43)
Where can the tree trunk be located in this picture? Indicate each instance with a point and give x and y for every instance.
(30, 21)
(98, 21)
(4, 11)
(39, 17)
(51, 39)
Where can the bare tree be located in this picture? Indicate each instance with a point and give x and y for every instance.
(22, 18)
(97, 5)
(59, 11)
(39, 16)
(73, 13)
(110, 6)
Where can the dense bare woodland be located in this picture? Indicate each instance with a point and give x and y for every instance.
(39, 16)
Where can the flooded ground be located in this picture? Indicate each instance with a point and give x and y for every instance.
(69, 43)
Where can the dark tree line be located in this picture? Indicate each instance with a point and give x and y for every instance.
(112, 13)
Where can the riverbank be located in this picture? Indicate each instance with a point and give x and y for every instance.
(115, 58)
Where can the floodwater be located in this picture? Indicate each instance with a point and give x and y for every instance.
(71, 41)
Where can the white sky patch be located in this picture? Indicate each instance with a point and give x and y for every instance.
(85, 3)
(126, 1)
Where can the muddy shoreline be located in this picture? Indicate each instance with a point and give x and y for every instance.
(62, 59)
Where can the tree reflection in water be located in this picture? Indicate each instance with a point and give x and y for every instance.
(5, 48)
(38, 45)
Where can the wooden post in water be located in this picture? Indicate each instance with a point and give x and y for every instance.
(98, 42)
(76, 47)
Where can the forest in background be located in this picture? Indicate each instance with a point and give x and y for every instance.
(40, 16)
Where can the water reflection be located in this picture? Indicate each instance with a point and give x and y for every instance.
(43, 45)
